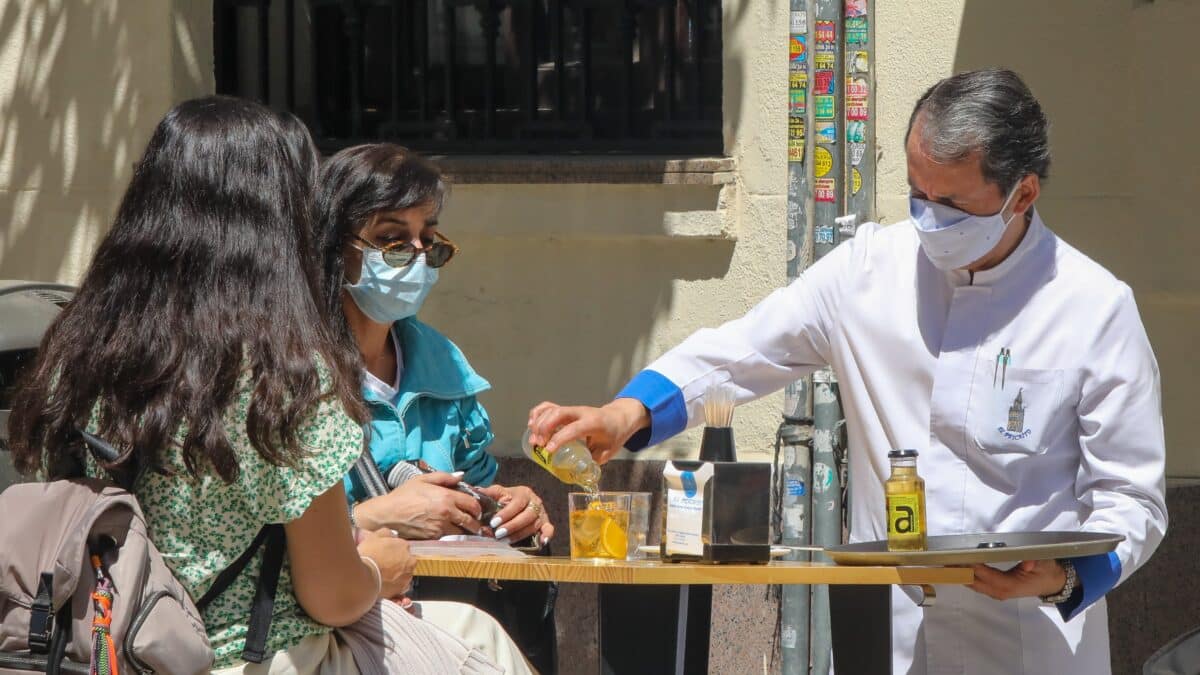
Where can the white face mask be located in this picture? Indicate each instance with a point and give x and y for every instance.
(388, 294)
(953, 239)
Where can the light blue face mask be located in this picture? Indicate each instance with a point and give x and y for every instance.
(953, 239)
(388, 294)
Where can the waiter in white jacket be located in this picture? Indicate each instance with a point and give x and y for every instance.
(1016, 365)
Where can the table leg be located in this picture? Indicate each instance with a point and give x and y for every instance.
(654, 629)
(861, 623)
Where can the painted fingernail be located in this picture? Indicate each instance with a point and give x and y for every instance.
(459, 474)
(495, 522)
(545, 540)
(501, 533)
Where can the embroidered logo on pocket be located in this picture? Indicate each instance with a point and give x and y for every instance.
(1015, 429)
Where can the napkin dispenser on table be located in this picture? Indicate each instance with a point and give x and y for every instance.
(716, 512)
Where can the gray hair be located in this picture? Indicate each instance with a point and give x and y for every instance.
(987, 111)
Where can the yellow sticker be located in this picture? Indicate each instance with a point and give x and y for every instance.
(904, 514)
(855, 181)
(822, 162)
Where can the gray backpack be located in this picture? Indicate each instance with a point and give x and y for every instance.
(81, 584)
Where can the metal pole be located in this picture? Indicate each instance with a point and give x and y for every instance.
(829, 192)
(793, 451)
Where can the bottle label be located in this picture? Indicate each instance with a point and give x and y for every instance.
(539, 455)
(904, 514)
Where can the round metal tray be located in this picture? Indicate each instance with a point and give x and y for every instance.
(970, 549)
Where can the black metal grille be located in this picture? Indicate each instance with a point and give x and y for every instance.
(483, 76)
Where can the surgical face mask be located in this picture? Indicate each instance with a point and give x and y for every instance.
(388, 294)
(953, 239)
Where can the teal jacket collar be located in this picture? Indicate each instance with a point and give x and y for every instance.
(433, 366)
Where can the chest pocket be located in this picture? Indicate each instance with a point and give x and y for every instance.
(1019, 411)
(474, 428)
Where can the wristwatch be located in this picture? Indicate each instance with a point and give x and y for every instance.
(1067, 589)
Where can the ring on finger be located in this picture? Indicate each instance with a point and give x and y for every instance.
(535, 506)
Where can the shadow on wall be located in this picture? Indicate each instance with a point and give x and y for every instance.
(562, 319)
(81, 88)
(1075, 56)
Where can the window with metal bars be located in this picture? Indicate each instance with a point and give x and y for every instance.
(483, 76)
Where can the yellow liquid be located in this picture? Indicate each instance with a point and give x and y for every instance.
(600, 531)
(905, 493)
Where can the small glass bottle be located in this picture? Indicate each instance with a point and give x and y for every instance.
(905, 493)
(571, 463)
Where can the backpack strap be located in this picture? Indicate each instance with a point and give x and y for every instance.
(366, 474)
(273, 537)
(41, 616)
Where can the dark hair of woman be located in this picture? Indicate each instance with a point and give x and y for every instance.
(301, 144)
(206, 279)
(354, 184)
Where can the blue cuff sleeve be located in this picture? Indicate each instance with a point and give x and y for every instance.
(1097, 575)
(664, 400)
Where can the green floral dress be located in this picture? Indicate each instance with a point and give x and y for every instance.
(202, 526)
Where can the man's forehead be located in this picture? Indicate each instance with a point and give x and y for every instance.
(961, 179)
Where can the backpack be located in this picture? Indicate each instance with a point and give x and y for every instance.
(83, 589)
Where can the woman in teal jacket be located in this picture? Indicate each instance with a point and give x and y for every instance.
(377, 210)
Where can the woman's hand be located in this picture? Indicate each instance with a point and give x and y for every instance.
(604, 430)
(424, 507)
(523, 514)
(396, 562)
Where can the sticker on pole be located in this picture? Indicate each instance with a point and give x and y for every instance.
(857, 151)
(800, 22)
(855, 181)
(796, 139)
(856, 30)
(857, 109)
(825, 190)
(798, 51)
(855, 8)
(826, 132)
(827, 31)
(858, 62)
(824, 106)
(823, 82)
(822, 162)
(858, 87)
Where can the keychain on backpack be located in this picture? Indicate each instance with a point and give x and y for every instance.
(104, 648)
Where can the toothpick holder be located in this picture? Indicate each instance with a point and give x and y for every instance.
(717, 445)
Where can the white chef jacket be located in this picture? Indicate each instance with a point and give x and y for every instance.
(1068, 437)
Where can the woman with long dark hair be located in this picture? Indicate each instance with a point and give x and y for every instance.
(196, 347)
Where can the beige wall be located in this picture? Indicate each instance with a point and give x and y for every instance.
(1119, 81)
(563, 292)
(82, 84)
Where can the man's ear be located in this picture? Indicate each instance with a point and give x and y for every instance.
(1028, 190)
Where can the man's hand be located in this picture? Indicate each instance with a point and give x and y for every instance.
(1029, 579)
(604, 430)
(424, 507)
(523, 514)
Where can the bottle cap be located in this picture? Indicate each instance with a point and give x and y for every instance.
(902, 454)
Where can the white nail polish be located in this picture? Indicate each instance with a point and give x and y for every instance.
(545, 540)
(501, 533)
(495, 522)
(459, 474)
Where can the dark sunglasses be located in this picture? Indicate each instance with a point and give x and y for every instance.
(403, 253)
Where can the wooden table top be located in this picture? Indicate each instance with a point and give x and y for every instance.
(533, 568)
